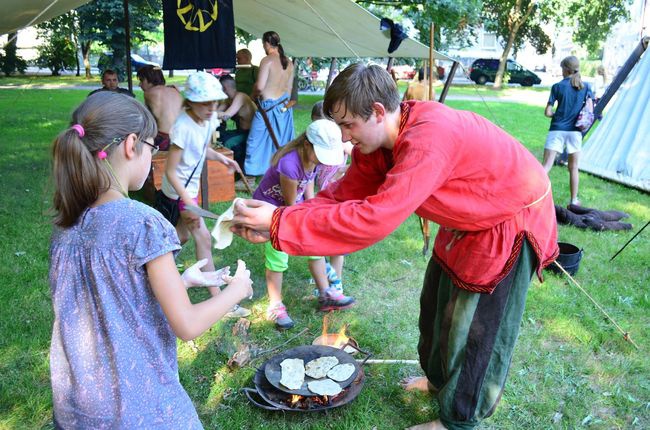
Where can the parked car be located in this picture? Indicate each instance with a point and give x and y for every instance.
(106, 59)
(484, 70)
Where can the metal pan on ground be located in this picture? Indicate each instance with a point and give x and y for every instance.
(307, 353)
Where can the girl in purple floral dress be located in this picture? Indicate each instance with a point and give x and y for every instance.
(119, 301)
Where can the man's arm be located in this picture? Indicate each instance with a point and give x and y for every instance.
(262, 78)
(233, 109)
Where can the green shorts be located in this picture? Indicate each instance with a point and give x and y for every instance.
(277, 261)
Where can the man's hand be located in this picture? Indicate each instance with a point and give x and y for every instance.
(253, 214)
(193, 277)
(250, 235)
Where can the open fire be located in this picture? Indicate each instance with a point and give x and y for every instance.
(308, 402)
(336, 340)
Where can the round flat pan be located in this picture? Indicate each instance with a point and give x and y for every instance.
(307, 353)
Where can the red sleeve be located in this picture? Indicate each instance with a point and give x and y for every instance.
(371, 201)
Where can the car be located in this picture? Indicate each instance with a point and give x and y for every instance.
(106, 59)
(484, 70)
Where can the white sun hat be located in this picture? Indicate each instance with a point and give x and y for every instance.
(325, 136)
(203, 87)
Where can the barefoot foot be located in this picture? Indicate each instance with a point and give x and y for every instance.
(433, 425)
(417, 383)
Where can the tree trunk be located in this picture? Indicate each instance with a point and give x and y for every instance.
(85, 51)
(170, 74)
(498, 79)
(9, 65)
(330, 76)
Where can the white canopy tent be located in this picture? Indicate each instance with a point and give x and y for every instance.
(619, 149)
(319, 28)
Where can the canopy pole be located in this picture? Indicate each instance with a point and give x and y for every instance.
(450, 78)
(431, 63)
(127, 43)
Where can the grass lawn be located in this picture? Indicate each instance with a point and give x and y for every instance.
(571, 369)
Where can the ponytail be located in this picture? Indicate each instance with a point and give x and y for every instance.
(283, 58)
(273, 39)
(297, 143)
(571, 66)
(80, 171)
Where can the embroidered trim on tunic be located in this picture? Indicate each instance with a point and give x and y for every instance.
(512, 259)
(274, 229)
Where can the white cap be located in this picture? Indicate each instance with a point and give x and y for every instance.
(326, 138)
(203, 87)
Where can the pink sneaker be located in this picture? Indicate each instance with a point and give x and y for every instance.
(278, 313)
(335, 300)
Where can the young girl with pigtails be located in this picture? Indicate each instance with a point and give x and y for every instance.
(119, 302)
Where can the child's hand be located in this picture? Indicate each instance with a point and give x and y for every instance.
(193, 277)
(241, 282)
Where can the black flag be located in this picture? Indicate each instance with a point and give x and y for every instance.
(199, 34)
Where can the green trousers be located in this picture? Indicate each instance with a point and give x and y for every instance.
(467, 340)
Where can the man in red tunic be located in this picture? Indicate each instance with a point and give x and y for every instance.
(491, 198)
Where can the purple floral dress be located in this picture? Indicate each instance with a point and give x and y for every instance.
(113, 354)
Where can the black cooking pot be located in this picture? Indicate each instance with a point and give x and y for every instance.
(569, 259)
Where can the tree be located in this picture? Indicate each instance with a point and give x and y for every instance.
(594, 20)
(102, 21)
(456, 20)
(57, 54)
(9, 61)
(516, 21)
(60, 47)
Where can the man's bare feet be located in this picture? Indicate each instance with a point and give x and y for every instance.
(433, 425)
(417, 383)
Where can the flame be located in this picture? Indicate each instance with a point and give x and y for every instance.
(295, 399)
(341, 338)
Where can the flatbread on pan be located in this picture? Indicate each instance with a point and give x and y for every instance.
(341, 372)
(324, 387)
(319, 367)
(293, 373)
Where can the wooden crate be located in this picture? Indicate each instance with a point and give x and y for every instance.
(221, 184)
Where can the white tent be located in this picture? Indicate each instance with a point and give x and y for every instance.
(319, 28)
(619, 149)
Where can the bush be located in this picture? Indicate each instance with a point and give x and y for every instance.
(11, 63)
(57, 54)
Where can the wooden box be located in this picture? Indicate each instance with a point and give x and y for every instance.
(220, 183)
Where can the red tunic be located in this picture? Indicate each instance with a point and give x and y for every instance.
(485, 190)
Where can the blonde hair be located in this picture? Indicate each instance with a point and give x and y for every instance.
(80, 176)
(571, 65)
(300, 144)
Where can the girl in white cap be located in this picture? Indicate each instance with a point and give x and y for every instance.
(191, 136)
(290, 180)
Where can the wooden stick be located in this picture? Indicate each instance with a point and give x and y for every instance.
(243, 178)
(266, 351)
(626, 335)
(391, 361)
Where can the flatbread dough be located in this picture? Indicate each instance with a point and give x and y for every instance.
(341, 372)
(221, 231)
(319, 367)
(324, 387)
(293, 373)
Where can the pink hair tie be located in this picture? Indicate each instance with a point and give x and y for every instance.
(101, 154)
(79, 129)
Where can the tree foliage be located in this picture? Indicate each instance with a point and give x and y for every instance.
(102, 21)
(10, 62)
(457, 20)
(594, 20)
(60, 44)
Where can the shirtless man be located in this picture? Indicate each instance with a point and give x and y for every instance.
(240, 108)
(164, 102)
(272, 91)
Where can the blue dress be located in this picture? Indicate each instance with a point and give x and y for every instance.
(113, 357)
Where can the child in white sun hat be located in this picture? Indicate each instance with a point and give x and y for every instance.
(191, 137)
(289, 181)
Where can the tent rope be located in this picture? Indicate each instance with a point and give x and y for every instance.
(333, 31)
(33, 20)
(626, 335)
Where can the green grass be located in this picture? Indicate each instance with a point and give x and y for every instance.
(67, 81)
(570, 364)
